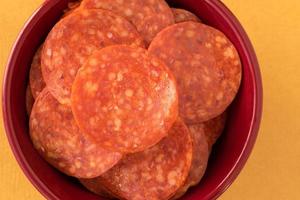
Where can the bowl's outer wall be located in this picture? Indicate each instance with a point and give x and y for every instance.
(230, 153)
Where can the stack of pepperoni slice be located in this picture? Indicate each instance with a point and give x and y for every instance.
(130, 97)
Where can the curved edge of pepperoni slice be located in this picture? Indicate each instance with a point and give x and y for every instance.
(156, 173)
(182, 15)
(96, 187)
(199, 162)
(125, 99)
(59, 141)
(36, 80)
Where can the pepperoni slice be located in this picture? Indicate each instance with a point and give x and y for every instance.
(199, 162)
(125, 99)
(149, 16)
(57, 138)
(155, 173)
(204, 136)
(206, 65)
(37, 83)
(72, 41)
(29, 100)
(181, 15)
(94, 186)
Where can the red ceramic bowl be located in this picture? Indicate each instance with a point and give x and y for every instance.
(230, 153)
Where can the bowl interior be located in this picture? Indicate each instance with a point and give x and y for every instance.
(229, 154)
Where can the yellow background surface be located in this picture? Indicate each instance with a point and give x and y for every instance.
(273, 170)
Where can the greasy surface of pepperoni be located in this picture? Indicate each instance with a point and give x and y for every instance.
(29, 100)
(148, 16)
(37, 83)
(155, 173)
(72, 41)
(199, 162)
(57, 138)
(125, 99)
(181, 15)
(206, 65)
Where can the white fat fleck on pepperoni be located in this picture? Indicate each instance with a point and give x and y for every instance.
(93, 62)
(72, 72)
(49, 52)
(34, 122)
(157, 88)
(91, 87)
(154, 63)
(228, 53)
(190, 33)
(221, 40)
(208, 45)
(109, 35)
(78, 164)
(119, 77)
(117, 123)
(111, 76)
(154, 73)
(129, 92)
(90, 147)
(89, 174)
(172, 177)
(128, 12)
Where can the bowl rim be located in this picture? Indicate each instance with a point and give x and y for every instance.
(254, 72)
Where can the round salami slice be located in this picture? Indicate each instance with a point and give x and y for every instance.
(206, 65)
(213, 128)
(72, 41)
(96, 187)
(155, 173)
(149, 16)
(199, 162)
(125, 99)
(29, 100)
(36, 80)
(181, 15)
(57, 138)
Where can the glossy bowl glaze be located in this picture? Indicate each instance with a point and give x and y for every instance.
(230, 153)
